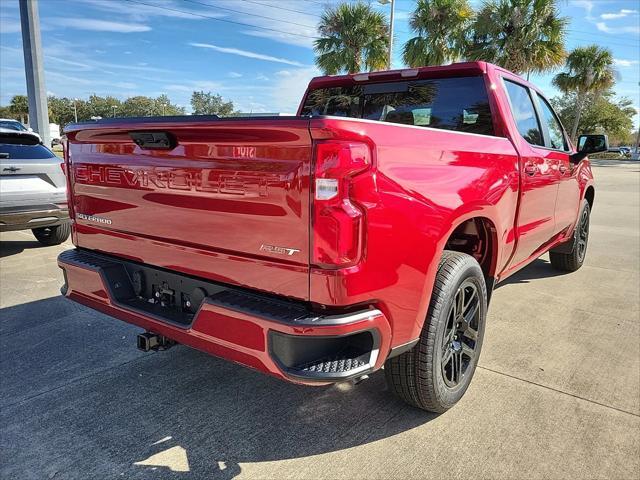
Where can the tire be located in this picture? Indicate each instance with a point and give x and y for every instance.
(52, 235)
(423, 377)
(570, 262)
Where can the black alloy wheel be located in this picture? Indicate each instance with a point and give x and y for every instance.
(461, 334)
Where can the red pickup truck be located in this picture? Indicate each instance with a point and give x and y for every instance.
(367, 231)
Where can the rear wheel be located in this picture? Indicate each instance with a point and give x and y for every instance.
(570, 262)
(435, 373)
(52, 235)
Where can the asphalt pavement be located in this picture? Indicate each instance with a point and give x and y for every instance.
(556, 394)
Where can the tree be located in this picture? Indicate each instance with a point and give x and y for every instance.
(588, 70)
(102, 106)
(138, 106)
(442, 28)
(523, 36)
(5, 112)
(207, 103)
(19, 107)
(353, 38)
(163, 106)
(602, 113)
(61, 110)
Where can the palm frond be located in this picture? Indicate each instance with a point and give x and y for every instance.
(353, 36)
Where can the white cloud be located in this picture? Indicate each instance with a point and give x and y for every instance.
(192, 85)
(621, 14)
(125, 85)
(163, 8)
(300, 31)
(288, 90)
(9, 25)
(620, 62)
(99, 25)
(586, 4)
(401, 15)
(298, 41)
(603, 27)
(177, 88)
(235, 75)
(58, 61)
(246, 53)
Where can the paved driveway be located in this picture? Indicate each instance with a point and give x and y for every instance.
(557, 394)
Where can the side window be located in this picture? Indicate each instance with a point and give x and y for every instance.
(556, 136)
(523, 113)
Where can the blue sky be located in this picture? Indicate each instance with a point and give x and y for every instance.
(149, 47)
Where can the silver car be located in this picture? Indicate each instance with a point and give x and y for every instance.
(33, 188)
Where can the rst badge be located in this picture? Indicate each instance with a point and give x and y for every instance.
(278, 250)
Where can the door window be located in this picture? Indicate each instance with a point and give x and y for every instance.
(524, 113)
(556, 134)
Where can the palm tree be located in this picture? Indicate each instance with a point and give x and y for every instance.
(589, 70)
(19, 107)
(519, 35)
(442, 27)
(353, 38)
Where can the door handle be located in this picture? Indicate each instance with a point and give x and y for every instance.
(563, 168)
(530, 169)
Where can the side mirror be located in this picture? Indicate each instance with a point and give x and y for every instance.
(588, 144)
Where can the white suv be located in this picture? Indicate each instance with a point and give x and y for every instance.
(33, 192)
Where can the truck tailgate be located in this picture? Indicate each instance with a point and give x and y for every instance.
(228, 200)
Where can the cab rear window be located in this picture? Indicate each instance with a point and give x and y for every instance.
(24, 152)
(459, 104)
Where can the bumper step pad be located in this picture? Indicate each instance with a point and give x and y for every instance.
(336, 364)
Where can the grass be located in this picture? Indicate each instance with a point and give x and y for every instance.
(609, 156)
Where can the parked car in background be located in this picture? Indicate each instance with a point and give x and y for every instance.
(33, 194)
(54, 134)
(622, 151)
(368, 231)
(12, 124)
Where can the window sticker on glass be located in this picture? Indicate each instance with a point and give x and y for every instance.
(422, 117)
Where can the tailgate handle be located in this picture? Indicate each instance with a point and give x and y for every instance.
(154, 140)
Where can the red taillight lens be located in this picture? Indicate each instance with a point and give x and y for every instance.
(63, 166)
(338, 221)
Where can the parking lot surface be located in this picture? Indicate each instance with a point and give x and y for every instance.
(556, 394)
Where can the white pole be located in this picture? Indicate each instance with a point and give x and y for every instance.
(34, 69)
(637, 145)
(391, 36)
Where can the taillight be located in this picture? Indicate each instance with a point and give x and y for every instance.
(338, 222)
(63, 166)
